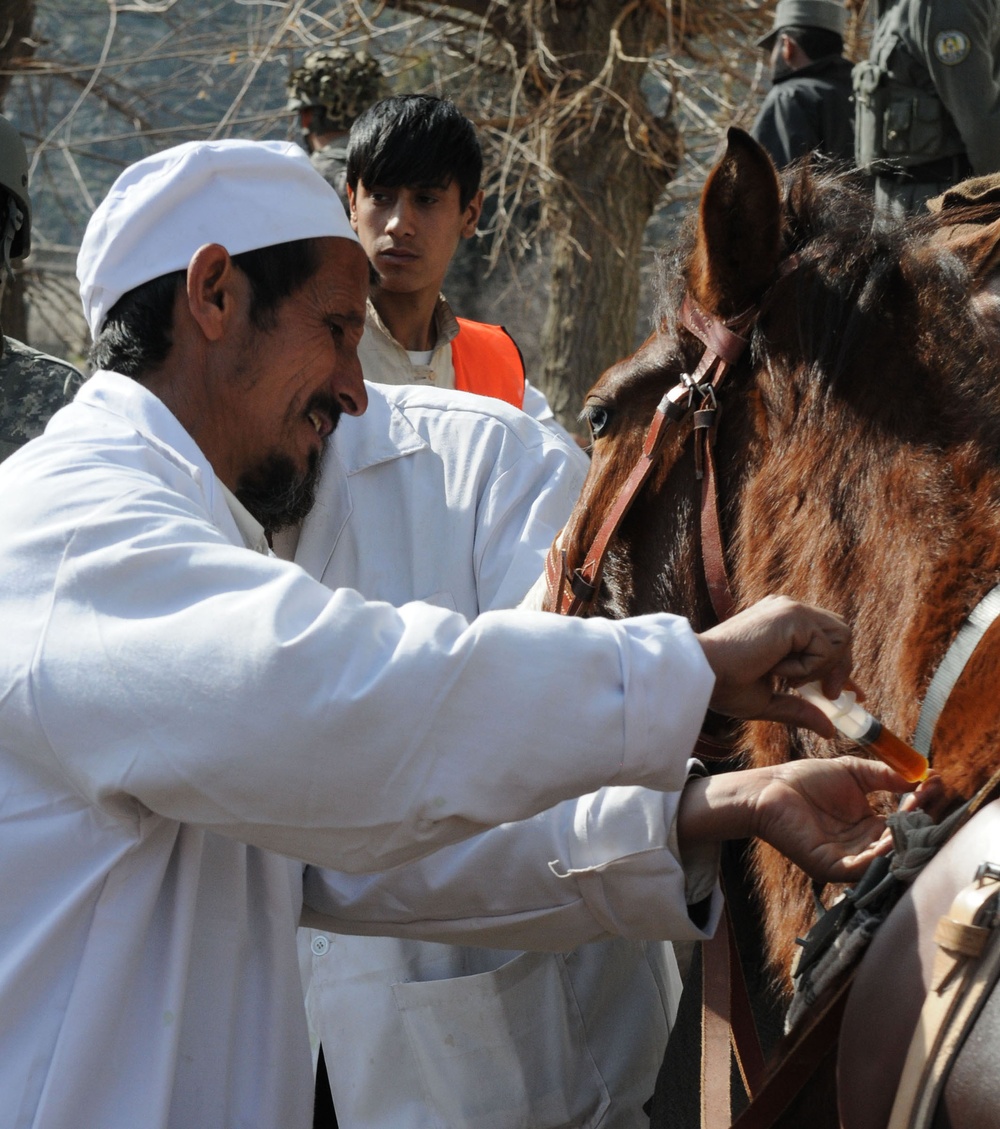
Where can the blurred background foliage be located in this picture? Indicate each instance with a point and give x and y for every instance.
(599, 120)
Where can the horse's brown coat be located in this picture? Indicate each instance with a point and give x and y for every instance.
(858, 452)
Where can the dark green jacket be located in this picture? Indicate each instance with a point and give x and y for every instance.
(950, 47)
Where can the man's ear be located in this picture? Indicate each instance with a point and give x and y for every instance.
(352, 208)
(473, 210)
(211, 293)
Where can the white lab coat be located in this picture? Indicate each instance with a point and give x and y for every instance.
(176, 710)
(455, 499)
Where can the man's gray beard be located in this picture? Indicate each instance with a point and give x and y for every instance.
(276, 493)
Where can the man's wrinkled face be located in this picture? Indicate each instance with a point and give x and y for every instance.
(291, 382)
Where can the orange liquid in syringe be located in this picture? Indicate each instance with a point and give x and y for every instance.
(898, 755)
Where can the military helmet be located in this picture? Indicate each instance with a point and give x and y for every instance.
(14, 180)
(341, 84)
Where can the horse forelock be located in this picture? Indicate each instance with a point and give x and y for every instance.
(880, 314)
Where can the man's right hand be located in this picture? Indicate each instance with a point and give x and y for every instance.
(777, 638)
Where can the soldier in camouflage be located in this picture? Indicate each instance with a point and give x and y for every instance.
(329, 90)
(33, 385)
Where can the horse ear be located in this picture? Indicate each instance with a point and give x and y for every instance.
(739, 228)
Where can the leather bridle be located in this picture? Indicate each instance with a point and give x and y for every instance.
(695, 397)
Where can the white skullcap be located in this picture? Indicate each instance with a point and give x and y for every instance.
(241, 194)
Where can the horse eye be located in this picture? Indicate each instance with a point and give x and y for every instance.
(597, 417)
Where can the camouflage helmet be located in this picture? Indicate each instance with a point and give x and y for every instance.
(14, 181)
(341, 84)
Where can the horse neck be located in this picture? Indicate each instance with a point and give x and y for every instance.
(888, 530)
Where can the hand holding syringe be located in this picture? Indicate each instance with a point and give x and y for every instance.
(852, 720)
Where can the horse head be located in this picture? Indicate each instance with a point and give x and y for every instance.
(854, 454)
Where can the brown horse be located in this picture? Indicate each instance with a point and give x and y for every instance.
(856, 453)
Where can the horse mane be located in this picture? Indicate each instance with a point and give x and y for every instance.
(857, 266)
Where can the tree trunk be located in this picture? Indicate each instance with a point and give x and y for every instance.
(608, 161)
(16, 20)
(596, 230)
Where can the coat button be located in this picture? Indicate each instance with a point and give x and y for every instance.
(320, 945)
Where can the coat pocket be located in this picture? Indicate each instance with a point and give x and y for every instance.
(504, 1049)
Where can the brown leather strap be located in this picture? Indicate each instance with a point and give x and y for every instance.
(746, 1041)
(728, 1029)
(727, 1019)
(785, 1082)
(716, 1098)
(574, 593)
(715, 334)
(713, 557)
(714, 749)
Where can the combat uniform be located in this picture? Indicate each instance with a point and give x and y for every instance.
(928, 98)
(335, 85)
(331, 164)
(33, 386)
(809, 110)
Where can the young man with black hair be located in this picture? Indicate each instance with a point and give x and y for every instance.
(414, 166)
(809, 107)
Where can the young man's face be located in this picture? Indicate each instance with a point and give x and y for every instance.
(410, 233)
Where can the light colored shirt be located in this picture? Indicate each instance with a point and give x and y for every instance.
(385, 361)
(178, 713)
(455, 499)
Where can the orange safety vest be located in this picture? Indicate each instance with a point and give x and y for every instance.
(487, 361)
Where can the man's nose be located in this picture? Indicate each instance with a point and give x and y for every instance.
(400, 222)
(348, 385)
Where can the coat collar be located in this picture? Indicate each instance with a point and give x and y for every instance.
(383, 433)
(380, 436)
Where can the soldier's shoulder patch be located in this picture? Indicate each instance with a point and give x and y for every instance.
(951, 47)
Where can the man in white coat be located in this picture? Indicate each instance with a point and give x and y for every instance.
(181, 713)
(455, 499)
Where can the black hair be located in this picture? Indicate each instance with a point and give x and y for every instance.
(415, 139)
(816, 42)
(138, 331)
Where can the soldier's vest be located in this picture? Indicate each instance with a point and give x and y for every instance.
(900, 121)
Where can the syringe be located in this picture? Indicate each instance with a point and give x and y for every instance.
(858, 725)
